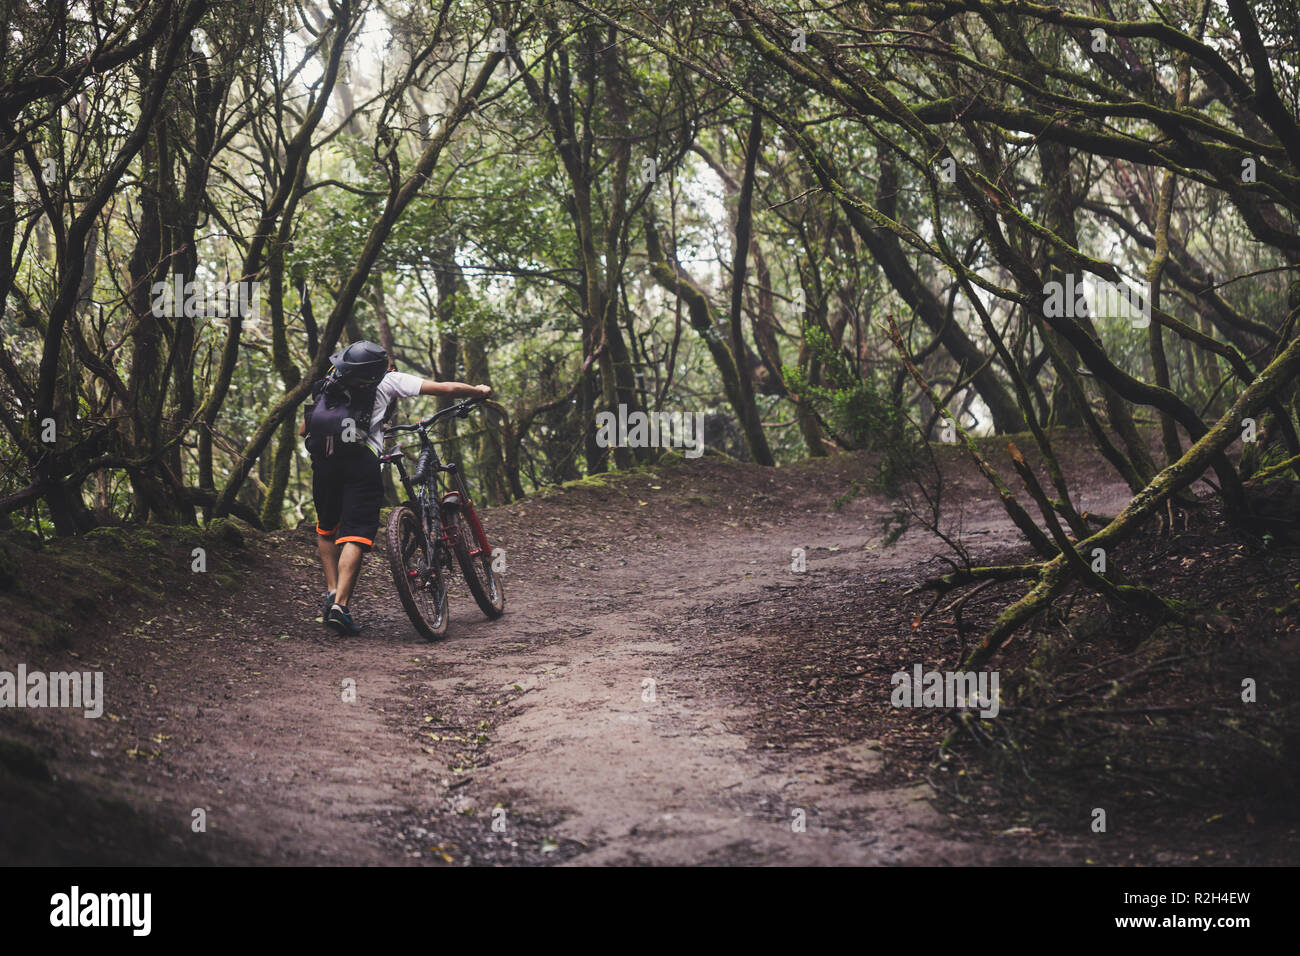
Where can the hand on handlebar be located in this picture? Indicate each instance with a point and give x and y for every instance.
(481, 394)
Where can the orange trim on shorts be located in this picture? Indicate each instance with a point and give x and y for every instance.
(331, 531)
(356, 538)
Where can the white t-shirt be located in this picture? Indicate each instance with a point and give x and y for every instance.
(391, 386)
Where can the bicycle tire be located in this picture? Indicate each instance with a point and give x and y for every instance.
(487, 589)
(419, 597)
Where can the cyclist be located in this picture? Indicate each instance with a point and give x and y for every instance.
(344, 430)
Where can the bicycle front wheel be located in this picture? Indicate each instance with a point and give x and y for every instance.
(476, 564)
(417, 575)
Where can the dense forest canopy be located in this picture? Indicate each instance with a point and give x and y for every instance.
(826, 226)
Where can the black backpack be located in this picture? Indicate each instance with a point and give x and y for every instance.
(338, 415)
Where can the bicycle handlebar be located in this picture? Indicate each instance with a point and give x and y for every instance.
(460, 409)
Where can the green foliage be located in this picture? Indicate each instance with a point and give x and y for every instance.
(855, 408)
(851, 405)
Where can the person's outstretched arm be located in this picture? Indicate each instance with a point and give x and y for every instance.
(454, 389)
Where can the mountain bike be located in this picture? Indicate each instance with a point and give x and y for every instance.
(430, 527)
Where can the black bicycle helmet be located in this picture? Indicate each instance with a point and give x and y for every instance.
(361, 362)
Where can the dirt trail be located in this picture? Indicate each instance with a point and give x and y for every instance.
(549, 712)
(676, 779)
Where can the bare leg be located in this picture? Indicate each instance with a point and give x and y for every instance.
(349, 567)
(329, 559)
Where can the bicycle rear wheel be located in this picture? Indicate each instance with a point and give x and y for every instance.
(417, 575)
(476, 564)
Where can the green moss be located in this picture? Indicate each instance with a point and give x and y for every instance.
(80, 571)
(112, 535)
(190, 535)
(602, 479)
(226, 531)
(127, 539)
(671, 458)
(230, 581)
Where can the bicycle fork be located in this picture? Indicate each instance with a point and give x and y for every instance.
(459, 499)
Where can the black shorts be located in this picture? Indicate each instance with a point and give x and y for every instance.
(348, 493)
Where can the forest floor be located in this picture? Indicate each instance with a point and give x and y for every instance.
(663, 689)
